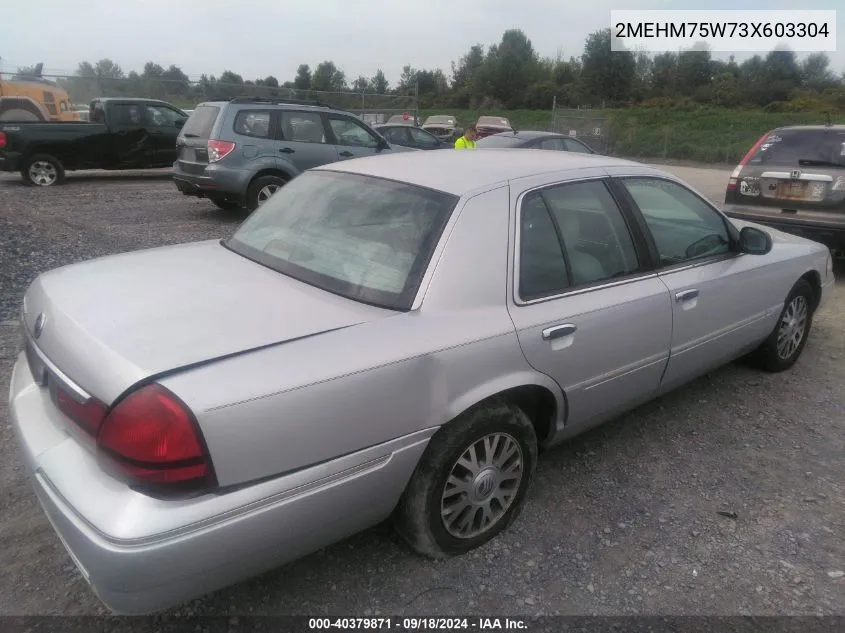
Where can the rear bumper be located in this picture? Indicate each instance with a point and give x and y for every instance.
(215, 181)
(827, 228)
(140, 554)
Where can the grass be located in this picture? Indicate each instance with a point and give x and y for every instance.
(704, 135)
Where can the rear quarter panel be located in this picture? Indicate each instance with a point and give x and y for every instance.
(315, 399)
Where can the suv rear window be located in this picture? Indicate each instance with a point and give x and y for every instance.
(201, 121)
(787, 147)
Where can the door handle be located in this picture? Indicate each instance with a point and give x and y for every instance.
(558, 331)
(686, 295)
(346, 154)
(287, 150)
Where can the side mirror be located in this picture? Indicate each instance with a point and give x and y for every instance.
(179, 123)
(382, 144)
(753, 241)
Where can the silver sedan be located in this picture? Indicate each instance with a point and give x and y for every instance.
(394, 336)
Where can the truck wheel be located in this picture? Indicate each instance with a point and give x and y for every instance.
(261, 189)
(470, 483)
(43, 170)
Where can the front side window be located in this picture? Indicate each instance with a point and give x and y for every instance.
(361, 237)
(554, 144)
(575, 146)
(395, 135)
(351, 134)
(423, 139)
(683, 226)
(161, 116)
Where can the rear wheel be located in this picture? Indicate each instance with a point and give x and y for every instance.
(261, 189)
(786, 342)
(470, 483)
(43, 170)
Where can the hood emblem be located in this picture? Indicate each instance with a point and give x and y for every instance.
(39, 325)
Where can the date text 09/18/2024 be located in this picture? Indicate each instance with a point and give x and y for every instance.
(418, 624)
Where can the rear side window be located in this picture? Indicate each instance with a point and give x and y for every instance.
(253, 123)
(201, 121)
(788, 147)
(302, 127)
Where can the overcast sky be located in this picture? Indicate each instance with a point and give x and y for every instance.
(256, 38)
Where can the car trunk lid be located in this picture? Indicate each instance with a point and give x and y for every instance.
(795, 169)
(192, 142)
(112, 322)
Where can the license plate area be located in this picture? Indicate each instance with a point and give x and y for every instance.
(804, 190)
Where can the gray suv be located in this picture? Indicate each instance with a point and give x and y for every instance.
(238, 153)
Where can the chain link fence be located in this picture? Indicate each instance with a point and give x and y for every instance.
(626, 137)
(373, 108)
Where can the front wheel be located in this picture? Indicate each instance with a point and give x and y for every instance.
(43, 170)
(782, 349)
(470, 483)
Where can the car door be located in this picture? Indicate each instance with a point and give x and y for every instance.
(129, 142)
(723, 303)
(587, 310)
(163, 124)
(351, 138)
(302, 140)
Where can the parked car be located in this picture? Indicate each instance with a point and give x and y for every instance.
(524, 139)
(399, 119)
(793, 179)
(487, 125)
(238, 153)
(443, 126)
(397, 336)
(410, 136)
(122, 134)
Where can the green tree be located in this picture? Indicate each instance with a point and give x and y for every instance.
(607, 74)
(379, 83)
(328, 78)
(303, 77)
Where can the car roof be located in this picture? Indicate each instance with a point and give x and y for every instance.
(799, 128)
(530, 134)
(264, 105)
(462, 172)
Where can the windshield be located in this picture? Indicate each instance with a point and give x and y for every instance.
(493, 121)
(361, 237)
(440, 119)
(497, 140)
(788, 147)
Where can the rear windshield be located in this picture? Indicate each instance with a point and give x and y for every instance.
(361, 237)
(505, 140)
(201, 121)
(788, 147)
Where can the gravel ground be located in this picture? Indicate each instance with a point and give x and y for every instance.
(624, 520)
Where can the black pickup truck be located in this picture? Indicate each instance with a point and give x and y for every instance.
(121, 134)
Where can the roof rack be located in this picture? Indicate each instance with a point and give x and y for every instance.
(279, 101)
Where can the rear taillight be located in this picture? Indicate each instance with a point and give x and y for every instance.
(218, 150)
(152, 438)
(732, 181)
(88, 416)
(2, 140)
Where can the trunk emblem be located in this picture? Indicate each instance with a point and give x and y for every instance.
(39, 325)
(795, 174)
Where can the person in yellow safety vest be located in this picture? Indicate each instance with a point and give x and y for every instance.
(467, 141)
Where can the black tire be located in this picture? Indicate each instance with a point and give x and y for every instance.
(418, 516)
(257, 188)
(767, 357)
(226, 205)
(53, 172)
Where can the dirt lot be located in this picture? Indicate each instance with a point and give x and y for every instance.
(623, 520)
